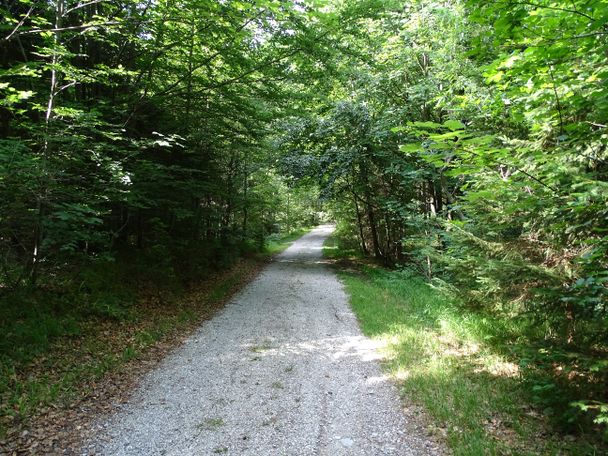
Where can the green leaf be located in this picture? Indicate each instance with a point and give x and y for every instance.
(425, 125)
(411, 147)
(454, 125)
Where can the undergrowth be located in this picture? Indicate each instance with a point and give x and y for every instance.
(58, 337)
(460, 365)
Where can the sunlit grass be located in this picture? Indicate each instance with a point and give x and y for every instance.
(332, 251)
(453, 363)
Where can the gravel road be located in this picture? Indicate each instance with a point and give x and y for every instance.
(282, 370)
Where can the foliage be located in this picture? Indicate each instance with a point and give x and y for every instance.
(132, 125)
(467, 140)
(463, 139)
(135, 155)
(458, 364)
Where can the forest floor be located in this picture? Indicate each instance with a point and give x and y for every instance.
(46, 404)
(82, 377)
(282, 369)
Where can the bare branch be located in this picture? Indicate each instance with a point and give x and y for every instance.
(66, 86)
(554, 8)
(65, 29)
(82, 5)
(23, 19)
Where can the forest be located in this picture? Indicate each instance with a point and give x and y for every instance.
(146, 145)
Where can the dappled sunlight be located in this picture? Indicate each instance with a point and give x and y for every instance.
(455, 378)
(302, 261)
(453, 346)
(331, 348)
(378, 379)
(499, 367)
(401, 374)
(157, 156)
(365, 349)
(433, 345)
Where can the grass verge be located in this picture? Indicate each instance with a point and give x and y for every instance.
(454, 364)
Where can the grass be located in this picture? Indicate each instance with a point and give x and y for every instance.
(333, 250)
(276, 243)
(211, 424)
(454, 364)
(262, 347)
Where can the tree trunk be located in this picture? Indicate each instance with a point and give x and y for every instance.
(43, 194)
(245, 205)
(360, 225)
(373, 229)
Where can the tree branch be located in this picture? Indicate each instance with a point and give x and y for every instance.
(65, 29)
(18, 26)
(555, 8)
(82, 5)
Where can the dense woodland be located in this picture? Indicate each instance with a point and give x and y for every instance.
(158, 141)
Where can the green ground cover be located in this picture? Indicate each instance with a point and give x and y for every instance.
(454, 364)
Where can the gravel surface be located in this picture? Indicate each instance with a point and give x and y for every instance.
(283, 369)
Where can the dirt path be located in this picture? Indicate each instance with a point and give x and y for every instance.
(283, 369)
